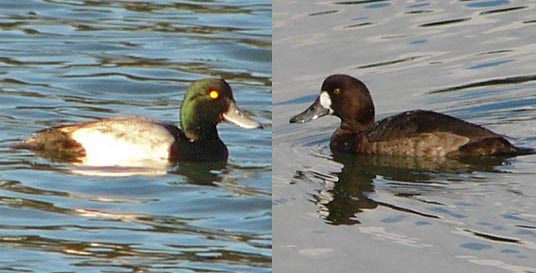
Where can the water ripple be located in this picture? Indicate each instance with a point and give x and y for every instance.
(491, 82)
(72, 61)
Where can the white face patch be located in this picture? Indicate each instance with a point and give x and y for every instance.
(325, 101)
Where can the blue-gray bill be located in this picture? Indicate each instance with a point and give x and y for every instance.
(313, 112)
(237, 117)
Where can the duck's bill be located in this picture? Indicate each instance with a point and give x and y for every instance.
(237, 117)
(314, 111)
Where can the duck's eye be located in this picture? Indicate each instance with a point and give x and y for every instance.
(336, 91)
(213, 94)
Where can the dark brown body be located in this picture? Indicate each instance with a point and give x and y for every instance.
(423, 133)
(413, 133)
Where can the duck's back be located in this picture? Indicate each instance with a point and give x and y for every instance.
(427, 133)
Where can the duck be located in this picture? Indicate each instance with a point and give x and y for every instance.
(417, 133)
(134, 141)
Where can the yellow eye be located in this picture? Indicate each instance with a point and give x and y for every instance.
(213, 94)
(337, 91)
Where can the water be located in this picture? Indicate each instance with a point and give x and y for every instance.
(470, 59)
(71, 61)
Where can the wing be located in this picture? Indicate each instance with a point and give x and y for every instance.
(414, 123)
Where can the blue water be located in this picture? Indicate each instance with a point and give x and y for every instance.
(470, 59)
(71, 61)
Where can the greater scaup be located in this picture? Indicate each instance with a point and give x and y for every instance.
(127, 141)
(412, 133)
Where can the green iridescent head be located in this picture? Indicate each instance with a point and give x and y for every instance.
(208, 102)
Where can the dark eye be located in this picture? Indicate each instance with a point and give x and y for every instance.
(336, 91)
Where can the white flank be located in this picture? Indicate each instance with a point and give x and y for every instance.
(325, 101)
(122, 142)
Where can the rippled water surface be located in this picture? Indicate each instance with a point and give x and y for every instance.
(471, 59)
(73, 61)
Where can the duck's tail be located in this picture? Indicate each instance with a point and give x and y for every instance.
(28, 144)
(524, 151)
(496, 146)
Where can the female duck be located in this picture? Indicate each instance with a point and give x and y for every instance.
(133, 141)
(412, 133)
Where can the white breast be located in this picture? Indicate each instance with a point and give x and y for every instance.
(124, 142)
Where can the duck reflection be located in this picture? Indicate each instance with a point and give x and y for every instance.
(201, 173)
(197, 173)
(349, 194)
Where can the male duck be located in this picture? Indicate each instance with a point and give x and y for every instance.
(131, 141)
(413, 133)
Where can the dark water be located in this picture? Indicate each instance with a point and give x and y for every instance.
(471, 59)
(72, 61)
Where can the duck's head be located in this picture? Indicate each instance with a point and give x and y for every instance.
(208, 102)
(345, 97)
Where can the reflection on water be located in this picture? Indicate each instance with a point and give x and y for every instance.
(471, 59)
(348, 191)
(201, 173)
(65, 62)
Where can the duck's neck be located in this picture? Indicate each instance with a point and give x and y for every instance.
(195, 131)
(355, 126)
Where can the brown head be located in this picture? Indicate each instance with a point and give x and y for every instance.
(345, 97)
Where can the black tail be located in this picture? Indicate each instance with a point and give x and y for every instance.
(524, 151)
